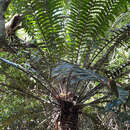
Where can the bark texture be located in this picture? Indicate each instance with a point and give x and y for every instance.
(68, 119)
(3, 6)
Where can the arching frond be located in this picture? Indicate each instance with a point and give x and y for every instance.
(118, 71)
(77, 74)
(117, 39)
(88, 22)
(90, 18)
(44, 21)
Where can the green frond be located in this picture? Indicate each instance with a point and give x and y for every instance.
(44, 21)
(29, 71)
(118, 71)
(119, 37)
(87, 23)
(90, 18)
(91, 92)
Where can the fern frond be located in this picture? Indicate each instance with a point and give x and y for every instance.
(118, 71)
(44, 21)
(117, 38)
(29, 72)
(64, 69)
(89, 20)
(91, 93)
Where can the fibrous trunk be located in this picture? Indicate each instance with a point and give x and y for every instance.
(68, 119)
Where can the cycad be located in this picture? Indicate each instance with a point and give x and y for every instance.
(71, 63)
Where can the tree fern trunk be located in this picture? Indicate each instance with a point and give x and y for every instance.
(69, 123)
(68, 119)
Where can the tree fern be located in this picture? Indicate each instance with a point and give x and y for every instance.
(66, 71)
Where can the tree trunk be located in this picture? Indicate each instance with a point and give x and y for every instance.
(68, 119)
(3, 6)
